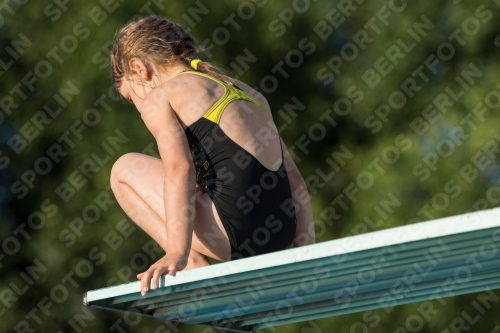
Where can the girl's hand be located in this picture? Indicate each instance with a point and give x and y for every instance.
(170, 263)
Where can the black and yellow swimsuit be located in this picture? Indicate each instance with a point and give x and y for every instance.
(253, 202)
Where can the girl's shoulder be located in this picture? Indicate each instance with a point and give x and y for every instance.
(252, 92)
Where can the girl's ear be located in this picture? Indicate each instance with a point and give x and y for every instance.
(140, 68)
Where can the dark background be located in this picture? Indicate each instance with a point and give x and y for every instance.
(406, 154)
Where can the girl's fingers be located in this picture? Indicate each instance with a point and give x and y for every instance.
(171, 270)
(156, 277)
(145, 279)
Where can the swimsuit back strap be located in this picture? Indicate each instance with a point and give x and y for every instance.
(231, 93)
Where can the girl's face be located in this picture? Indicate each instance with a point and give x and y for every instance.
(134, 91)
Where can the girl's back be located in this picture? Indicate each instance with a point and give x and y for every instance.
(246, 123)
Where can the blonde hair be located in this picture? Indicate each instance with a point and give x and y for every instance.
(157, 41)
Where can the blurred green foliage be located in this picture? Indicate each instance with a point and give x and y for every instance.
(395, 148)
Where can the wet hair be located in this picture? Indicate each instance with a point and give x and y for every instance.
(158, 42)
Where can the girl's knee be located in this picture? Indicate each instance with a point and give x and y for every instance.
(127, 165)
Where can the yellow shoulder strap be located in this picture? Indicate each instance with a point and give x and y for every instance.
(231, 93)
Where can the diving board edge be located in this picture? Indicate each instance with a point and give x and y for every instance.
(398, 235)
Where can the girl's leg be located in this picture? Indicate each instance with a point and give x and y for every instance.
(137, 182)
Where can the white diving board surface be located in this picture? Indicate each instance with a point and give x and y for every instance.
(421, 261)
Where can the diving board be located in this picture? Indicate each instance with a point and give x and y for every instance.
(421, 261)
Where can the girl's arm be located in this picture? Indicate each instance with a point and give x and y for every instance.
(305, 233)
(179, 175)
